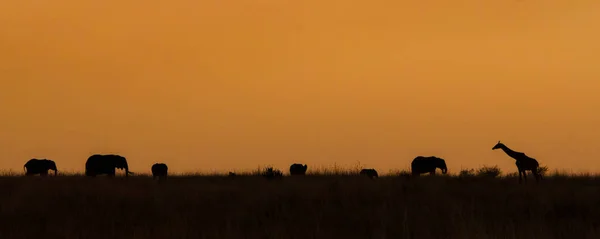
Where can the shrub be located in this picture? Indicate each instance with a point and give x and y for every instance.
(271, 173)
(404, 173)
(466, 173)
(491, 172)
(543, 170)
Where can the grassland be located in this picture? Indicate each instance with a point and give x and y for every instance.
(313, 206)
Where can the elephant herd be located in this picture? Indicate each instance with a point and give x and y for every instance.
(98, 164)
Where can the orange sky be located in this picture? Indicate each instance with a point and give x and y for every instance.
(223, 85)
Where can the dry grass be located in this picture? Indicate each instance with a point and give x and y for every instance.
(316, 206)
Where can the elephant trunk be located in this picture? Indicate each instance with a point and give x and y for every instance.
(124, 165)
(443, 167)
(53, 167)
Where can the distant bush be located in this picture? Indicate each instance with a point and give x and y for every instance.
(399, 172)
(543, 170)
(404, 173)
(334, 170)
(271, 173)
(466, 173)
(489, 172)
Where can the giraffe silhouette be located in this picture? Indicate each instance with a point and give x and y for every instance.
(524, 163)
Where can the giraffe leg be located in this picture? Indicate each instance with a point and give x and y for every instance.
(520, 176)
(525, 175)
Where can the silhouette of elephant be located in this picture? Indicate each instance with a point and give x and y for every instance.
(98, 164)
(369, 172)
(298, 169)
(159, 170)
(422, 164)
(39, 166)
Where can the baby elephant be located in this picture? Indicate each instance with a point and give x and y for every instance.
(159, 170)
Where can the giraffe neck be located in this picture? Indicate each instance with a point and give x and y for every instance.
(513, 154)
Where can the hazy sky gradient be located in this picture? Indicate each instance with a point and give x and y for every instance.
(223, 85)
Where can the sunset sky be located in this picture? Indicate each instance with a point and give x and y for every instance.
(229, 85)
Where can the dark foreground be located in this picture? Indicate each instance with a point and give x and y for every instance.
(298, 207)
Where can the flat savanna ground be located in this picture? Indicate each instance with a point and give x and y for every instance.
(312, 206)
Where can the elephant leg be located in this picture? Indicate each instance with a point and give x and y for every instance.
(111, 173)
